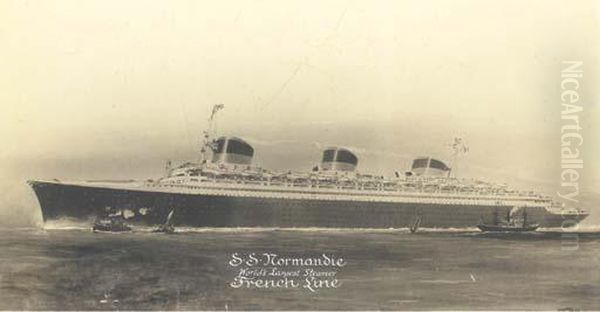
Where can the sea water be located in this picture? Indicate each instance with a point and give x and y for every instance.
(72, 268)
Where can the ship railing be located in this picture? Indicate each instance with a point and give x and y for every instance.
(371, 185)
(326, 186)
(426, 194)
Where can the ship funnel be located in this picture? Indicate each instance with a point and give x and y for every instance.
(232, 150)
(339, 159)
(428, 166)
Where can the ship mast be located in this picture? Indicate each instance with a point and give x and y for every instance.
(458, 147)
(207, 140)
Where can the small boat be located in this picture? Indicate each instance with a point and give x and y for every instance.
(167, 227)
(507, 228)
(510, 224)
(110, 224)
(415, 225)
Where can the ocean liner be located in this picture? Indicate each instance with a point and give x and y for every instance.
(228, 190)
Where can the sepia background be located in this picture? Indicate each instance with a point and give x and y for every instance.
(114, 89)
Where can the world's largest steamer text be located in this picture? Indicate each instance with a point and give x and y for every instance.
(272, 271)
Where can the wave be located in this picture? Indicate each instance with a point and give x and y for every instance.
(69, 224)
(73, 224)
(66, 224)
(324, 229)
(575, 229)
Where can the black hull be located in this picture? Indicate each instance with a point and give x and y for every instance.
(100, 228)
(499, 228)
(84, 203)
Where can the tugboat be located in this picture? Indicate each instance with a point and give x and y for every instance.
(510, 224)
(112, 222)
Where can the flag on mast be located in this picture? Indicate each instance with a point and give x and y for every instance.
(215, 109)
(458, 147)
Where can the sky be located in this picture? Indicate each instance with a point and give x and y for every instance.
(114, 89)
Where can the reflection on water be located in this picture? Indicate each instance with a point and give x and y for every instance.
(386, 269)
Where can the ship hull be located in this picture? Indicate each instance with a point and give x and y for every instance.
(500, 228)
(84, 203)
